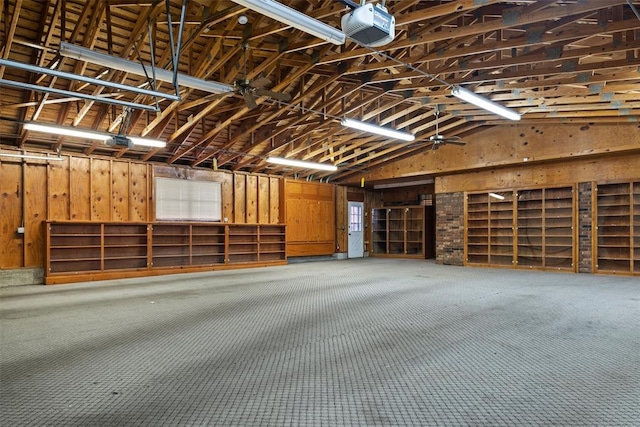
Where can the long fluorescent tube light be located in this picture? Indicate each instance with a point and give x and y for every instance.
(156, 143)
(292, 17)
(29, 156)
(89, 134)
(58, 130)
(301, 164)
(496, 196)
(83, 54)
(484, 103)
(379, 130)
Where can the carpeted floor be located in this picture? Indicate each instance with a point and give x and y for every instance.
(364, 342)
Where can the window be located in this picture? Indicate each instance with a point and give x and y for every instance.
(184, 200)
(355, 218)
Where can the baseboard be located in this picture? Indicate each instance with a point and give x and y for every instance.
(21, 277)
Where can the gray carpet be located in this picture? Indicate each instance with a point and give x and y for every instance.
(357, 342)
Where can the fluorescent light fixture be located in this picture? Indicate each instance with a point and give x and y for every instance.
(83, 54)
(496, 196)
(301, 164)
(29, 156)
(292, 17)
(59, 130)
(479, 101)
(379, 130)
(156, 143)
(89, 134)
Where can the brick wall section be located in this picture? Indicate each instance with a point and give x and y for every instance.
(450, 228)
(585, 251)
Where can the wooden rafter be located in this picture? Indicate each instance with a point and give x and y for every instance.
(556, 61)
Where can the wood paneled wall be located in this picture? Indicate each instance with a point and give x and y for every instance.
(342, 219)
(614, 167)
(517, 146)
(405, 195)
(96, 189)
(311, 218)
(11, 201)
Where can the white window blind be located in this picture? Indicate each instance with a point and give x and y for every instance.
(184, 200)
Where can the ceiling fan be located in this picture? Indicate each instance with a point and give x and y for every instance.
(437, 139)
(250, 89)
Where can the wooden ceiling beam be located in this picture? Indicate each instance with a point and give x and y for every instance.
(550, 56)
(435, 11)
(139, 29)
(315, 90)
(304, 118)
(507, 45)
(6, 48)
(517, 19)
(202, 72)
(570, 74)
(117, 3)
(553, 61)
(385, 156)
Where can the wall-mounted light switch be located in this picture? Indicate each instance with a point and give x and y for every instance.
(20, 230)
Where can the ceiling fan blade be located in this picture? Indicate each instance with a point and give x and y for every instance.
(454, 142)
(260, 82)
(249, 99)
(281, 96)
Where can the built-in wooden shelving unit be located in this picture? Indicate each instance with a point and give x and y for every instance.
(271, 243)
(617, 228)
(243, 244)
(79, 251)
(522, 228)
(398, 231)
(379, 231)
(490, 229)
(125, 246)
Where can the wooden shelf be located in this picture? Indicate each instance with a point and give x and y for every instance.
(528, 228)
(617, 231)
(398, 231)
(102, 250)
(489, 242)
(379, 230)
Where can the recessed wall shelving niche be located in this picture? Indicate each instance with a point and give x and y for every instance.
(527, 228)
(617, 228)
(398, 232)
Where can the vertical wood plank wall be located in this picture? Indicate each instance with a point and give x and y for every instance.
(311, 218)
(95, 189)
(138, 191)
(11, 199)
(251, 205)
(342, 220)
(35, 212)
(79, 189)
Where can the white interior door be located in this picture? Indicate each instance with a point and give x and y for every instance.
(356, 230)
